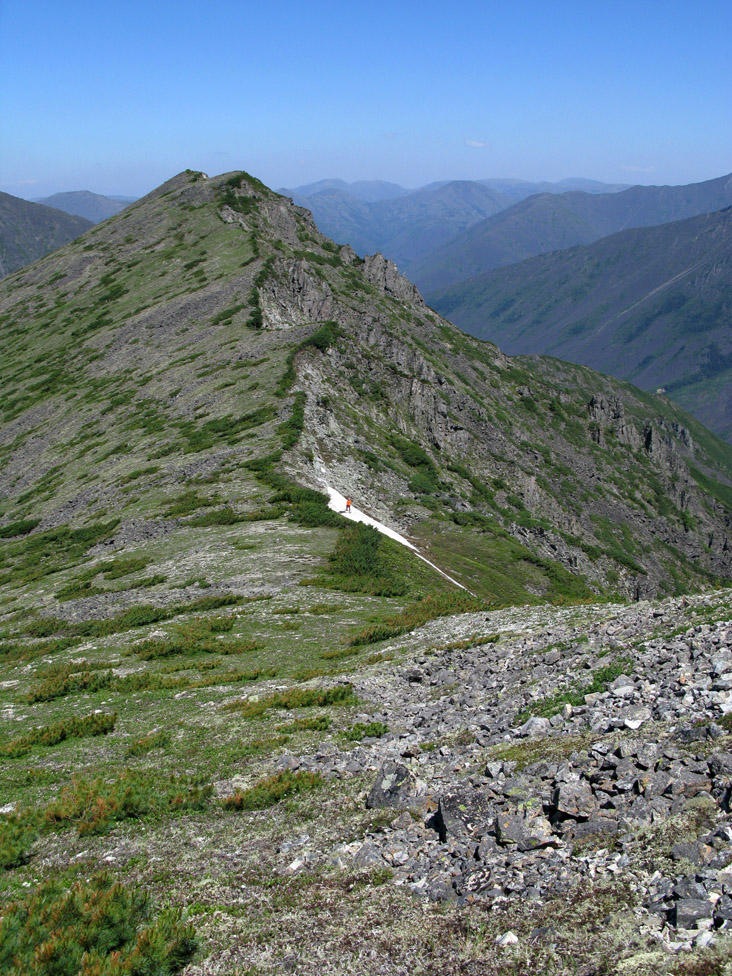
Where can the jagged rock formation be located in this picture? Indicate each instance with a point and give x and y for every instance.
(651, 306)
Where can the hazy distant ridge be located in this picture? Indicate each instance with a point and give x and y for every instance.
(29, 231)
(550, 222)
(652, 305)
(83, 203)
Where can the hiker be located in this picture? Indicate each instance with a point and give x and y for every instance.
(348, 504)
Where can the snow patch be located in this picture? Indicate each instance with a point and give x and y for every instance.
(338, 504)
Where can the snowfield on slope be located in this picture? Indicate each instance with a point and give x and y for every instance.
(338, 504)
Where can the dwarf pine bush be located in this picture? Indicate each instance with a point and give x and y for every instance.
(95, 928)
(93, 806)
(271, 790)
(98, 723)
(17, 834)
(417, 614)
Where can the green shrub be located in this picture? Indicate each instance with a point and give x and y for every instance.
(575, 694)
(292, 428)
(59, 685)
(359, 564)
(95, 928)
(295, 698)
(21, 527)
(98, 723)
(17, 834)
(417, 614)
(94, 806)
(270, 791)
(365, 730)
(321, 723)
(157, 739)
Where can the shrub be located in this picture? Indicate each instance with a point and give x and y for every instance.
(157, 739)
(575, 695)
(17, 834)
(358, 564)
(21, 527)
(94, 806)
(319, 724)
(270, 791)
(292, 428)
(59, 685)
(365, 730)
(295, 698)
(95, 928)
(98, 723)
(417, 614)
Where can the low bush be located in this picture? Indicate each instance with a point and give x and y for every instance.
(365, 730)
(359, 564)
(94, 806)
(98, 723)
(270, 791)
(21, 527)
(157, 739)
(17, 834)
(94, 928)
(321, 723)
(417, 614)
(294, 698)
(57, 683)
(575, 694)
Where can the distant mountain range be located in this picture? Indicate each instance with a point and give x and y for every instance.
(652, 305)
(408, 225)
(550, 222)
(29, 231)
(83, 203)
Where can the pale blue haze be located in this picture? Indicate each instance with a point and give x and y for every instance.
(117, 97)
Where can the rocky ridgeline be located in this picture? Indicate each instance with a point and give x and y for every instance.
(633, 783)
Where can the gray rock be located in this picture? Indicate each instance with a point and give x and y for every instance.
(393, 788)
(534, 726)
(525, 833)
(690, 913)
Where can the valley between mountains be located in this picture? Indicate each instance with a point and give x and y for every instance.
(273, 740)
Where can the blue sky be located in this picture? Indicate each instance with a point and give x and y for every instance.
(117, 97)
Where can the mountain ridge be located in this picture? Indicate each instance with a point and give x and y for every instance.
(219, 694)
(83, 203)
(650, 305)
(29, 230)
(547, 222)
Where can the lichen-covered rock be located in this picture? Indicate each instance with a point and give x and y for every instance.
(394, 787)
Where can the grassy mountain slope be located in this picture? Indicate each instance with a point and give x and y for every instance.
(180, 612)
(92, 206)
(650, 305)
(29, 230)
(549, 223)
(209, 327)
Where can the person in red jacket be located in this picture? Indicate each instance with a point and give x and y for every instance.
(348, 504)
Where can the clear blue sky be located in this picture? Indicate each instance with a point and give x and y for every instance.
(117, 97)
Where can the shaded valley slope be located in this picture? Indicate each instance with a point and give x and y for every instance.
(653, 306)
(547, 222)
(29, 230)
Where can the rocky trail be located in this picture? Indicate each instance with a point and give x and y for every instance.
(626, 774)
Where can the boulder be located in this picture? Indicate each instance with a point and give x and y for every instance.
(394, 788)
